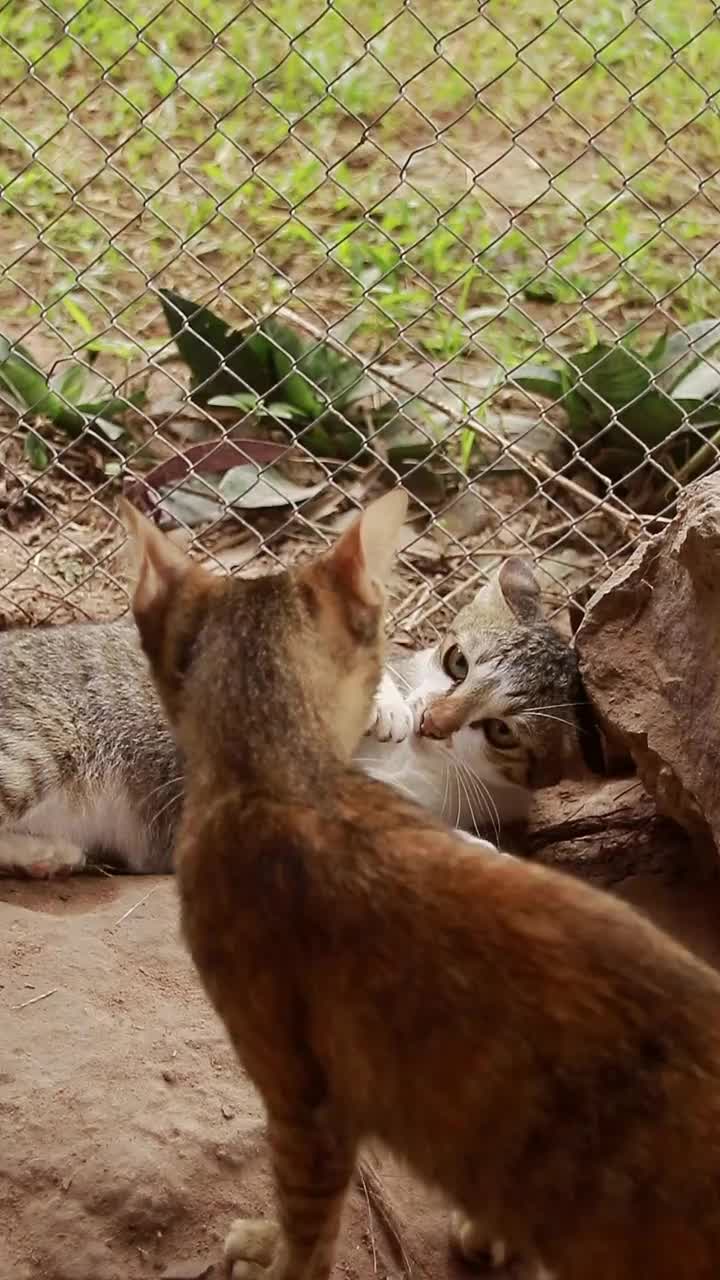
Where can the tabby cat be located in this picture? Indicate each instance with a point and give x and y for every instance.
(486, 717)
(89, 772)
(530, 1045)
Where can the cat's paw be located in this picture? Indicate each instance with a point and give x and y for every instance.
(417, 706)
(475, 1244)
(391, 719)
(39, 857)
(250, 1248)
(482, 846)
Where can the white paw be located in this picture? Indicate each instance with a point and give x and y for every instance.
(250, 1247)
(475, 1244)
(417, 705)
(392, 723)
(483, 846)
(40, 857)
(391, 719)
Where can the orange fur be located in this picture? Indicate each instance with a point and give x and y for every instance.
(528, 1044)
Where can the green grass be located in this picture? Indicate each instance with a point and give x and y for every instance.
(326, 156)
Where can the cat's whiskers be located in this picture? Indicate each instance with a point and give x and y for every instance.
(399, 677)
(462, 787)
(543, 715)
(488, 798)
(446, 771)
(470, 792)
(368, 762)
(163, 809)
(455, 777)
(169, 782)
(553, 706)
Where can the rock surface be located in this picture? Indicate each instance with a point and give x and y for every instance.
(649, 651)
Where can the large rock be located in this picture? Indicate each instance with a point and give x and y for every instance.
(649, 652)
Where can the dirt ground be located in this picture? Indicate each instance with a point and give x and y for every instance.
(131, 1138)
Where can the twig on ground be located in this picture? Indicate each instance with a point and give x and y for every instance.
(35, 999)
(373, 1188)
(130, 910)
(370, 1218)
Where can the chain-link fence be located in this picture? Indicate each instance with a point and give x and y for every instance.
(259, 260)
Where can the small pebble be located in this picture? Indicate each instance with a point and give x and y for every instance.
(227, 1111)
(169, 1076)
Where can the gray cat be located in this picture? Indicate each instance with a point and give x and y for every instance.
(89, 773)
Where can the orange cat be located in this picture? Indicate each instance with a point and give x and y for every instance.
(528, 1044)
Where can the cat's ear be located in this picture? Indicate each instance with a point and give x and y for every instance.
(159, 564)
(513, 595)
(363, 557)
(520, 590)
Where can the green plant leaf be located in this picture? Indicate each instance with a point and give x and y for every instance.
(76, 313)
(251, 403)
(222, 361)
(686, 350)
(240, 400)
(110, 429)
(287, 353)
(609, 380)
(29, 385)
(113, 406)
(36, 451)
(71, 383)
(278, 409)
(324, 368)
(656, 353)
(541, 379)
(652, 418)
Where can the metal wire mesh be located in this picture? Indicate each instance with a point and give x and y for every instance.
(443, 190)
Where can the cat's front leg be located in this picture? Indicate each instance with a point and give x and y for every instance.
(40, 857)
(482, 846)
(312, 1172)
(485, 1251)
(475, 1243)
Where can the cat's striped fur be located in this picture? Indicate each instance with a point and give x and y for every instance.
(89, 772)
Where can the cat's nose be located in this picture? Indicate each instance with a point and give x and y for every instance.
(429, 728)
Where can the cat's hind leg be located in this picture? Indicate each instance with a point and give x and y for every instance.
(481, 1249)
(312, 1173)
(29, 774)
(40, 857)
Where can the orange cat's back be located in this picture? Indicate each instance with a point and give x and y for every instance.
(530, 1045)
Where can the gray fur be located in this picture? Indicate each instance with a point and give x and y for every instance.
(89, 773)
(86, 760)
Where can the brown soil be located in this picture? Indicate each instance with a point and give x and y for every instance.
(131, 1137)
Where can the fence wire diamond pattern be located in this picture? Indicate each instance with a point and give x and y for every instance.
(259, 260)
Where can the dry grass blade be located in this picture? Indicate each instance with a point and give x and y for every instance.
(134, 907)
(377, 1198)
(35, 999)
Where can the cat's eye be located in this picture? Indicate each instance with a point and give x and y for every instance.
(455, 664)
(499, 733)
